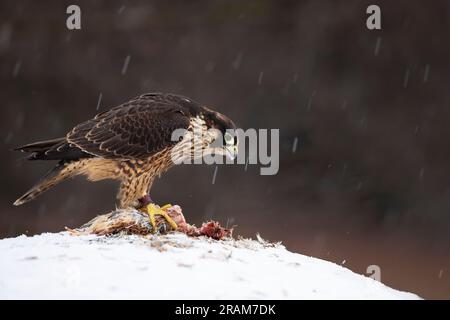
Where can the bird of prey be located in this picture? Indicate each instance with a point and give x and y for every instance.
(131, 143)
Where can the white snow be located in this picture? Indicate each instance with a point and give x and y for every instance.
(173, 266)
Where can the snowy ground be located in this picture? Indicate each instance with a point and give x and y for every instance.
(174, 266)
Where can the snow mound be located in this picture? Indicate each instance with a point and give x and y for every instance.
(172, 266)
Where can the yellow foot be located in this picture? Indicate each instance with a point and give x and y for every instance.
(154, 210)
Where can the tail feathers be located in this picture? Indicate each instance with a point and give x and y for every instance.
(57, 174)
(40, 145)
(55, 149)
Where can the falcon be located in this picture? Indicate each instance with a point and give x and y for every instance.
(132, 143)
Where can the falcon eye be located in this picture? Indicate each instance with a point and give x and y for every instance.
(228, 138)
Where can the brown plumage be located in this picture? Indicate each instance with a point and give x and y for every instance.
(130, 143)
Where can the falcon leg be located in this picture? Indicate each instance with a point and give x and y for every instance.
(146, 205)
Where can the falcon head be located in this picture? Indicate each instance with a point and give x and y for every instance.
(225, 129)
(210, 131)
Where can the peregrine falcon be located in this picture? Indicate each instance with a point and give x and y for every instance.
(131, 143)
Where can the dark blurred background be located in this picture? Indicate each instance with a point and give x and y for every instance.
(369, 180)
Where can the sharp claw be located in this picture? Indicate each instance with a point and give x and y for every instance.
(168, 219)
(154, 210)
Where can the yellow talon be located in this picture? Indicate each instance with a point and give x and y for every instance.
(151, 210)
(154, 210)
(166, 206)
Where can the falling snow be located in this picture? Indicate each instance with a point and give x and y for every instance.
(260, 78)
(309, 103)
(121, 9)
(237, 62)
(406, 79)
(214, 175)
(426, 73)
(16, 68)
(377, 46)
(421, 173)
(294, 145)
(125, 64)
(99, 100)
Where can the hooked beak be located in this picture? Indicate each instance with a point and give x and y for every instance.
(231, 151)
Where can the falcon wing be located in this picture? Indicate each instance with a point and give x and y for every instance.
(134, 130)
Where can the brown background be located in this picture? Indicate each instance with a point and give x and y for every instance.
(369, 182)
